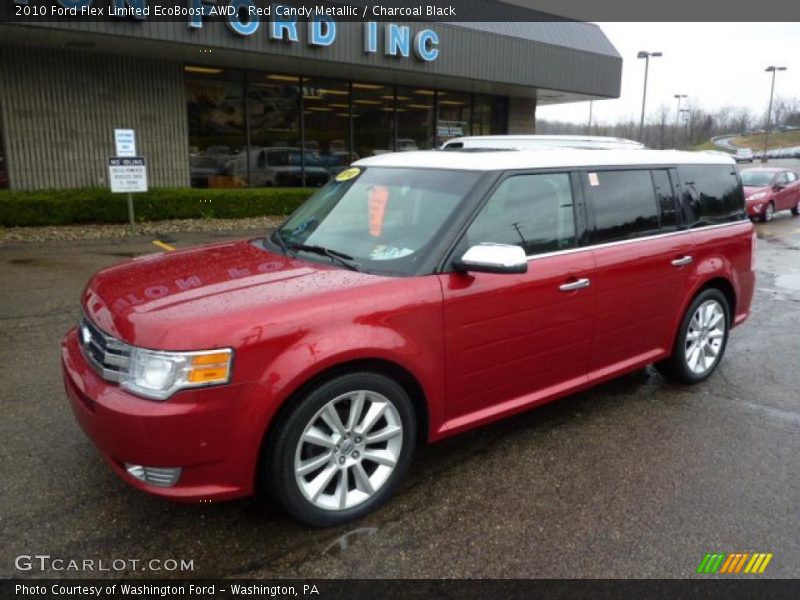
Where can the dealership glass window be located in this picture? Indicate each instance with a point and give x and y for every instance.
(217, 140)
(248, 129)
(326, 105)
(373, 119)
(454, 116)
(273, 115)
(3, 164)
(489, 115)
(624, 204)
(415, 116)
(532, 211)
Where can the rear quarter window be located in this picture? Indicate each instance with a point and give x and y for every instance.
(711, 194)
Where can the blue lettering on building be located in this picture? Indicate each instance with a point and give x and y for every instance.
(243, 26)
(321, 30)
(244, 19)
(398, 40)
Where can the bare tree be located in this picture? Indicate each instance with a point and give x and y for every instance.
(692, 126)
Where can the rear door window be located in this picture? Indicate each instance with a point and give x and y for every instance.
(624, 204)
(711, 194)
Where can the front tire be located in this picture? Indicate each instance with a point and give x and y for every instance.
(701, 339)
(343, 450)
(769, 212)
(796, 209)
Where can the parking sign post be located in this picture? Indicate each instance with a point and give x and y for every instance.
(127, 176)
(127, 172)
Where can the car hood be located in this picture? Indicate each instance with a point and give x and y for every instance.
(154, 300)
(750, 190)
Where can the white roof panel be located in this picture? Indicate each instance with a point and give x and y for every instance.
(543, 158)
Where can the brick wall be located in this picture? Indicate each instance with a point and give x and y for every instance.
(60, 108)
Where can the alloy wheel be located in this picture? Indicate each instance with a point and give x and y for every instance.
(769, 212)
(705, 336)
(348, 450)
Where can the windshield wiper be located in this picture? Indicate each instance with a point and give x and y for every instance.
(278, 239)
(339, 257)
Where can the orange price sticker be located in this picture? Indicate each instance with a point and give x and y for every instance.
(378, 198)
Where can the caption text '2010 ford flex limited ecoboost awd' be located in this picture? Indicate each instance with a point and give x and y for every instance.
(415, 296)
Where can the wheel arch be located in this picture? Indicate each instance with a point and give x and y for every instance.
(724, 286)
(407, 380)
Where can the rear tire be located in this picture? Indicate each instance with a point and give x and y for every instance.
(343, 450)
(701, 339)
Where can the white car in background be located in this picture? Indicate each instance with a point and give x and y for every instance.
(744, 155)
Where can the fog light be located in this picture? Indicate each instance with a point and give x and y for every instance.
(158, 476)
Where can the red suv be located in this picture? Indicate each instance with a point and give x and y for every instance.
(415, 296)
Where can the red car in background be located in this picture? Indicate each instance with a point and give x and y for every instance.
(768, 190)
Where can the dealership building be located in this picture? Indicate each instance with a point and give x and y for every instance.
(227, 103)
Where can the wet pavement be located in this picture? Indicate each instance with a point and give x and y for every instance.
(637, 478)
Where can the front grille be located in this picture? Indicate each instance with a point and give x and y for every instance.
(106, 354)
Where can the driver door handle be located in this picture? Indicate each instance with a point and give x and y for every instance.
(574, 285)
(682, 261)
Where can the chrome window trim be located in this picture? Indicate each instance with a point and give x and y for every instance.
(634, 240)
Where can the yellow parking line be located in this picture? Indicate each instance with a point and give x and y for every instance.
(164, 246)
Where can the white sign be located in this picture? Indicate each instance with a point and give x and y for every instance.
(125, 140)
(127, 175)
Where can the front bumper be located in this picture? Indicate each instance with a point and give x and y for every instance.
(208, 433)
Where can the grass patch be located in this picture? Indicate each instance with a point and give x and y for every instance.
(98, 205)
(709, 145)
(782, 139)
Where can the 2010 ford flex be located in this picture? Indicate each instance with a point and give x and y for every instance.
(415, 296)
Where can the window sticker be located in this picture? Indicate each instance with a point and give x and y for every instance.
(348, 174)
(381, 252)
(378, 198)
(593, 180)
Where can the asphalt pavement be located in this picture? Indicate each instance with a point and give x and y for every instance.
(637, 478)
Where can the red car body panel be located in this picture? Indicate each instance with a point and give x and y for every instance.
(480, 346)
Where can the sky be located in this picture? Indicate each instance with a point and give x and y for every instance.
(715, 64)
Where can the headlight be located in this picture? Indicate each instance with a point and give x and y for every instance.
(158, 375)
(757, 196)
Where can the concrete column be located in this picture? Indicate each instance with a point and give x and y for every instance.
(521, 115)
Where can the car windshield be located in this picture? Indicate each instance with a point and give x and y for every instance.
(757, 178)
(381, 219)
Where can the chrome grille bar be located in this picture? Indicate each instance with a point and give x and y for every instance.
(108, 356)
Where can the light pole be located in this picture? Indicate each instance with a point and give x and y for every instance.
(591, 103)
(687, 113)
(646, 56)
(773, 70)
(678, 119)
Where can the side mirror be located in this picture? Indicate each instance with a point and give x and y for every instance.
(493, 258)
